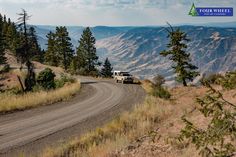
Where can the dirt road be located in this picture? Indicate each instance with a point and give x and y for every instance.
(32, 130)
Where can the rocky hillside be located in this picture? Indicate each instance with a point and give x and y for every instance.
(75, 32)
(138, 50)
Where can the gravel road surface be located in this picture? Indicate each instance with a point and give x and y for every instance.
(33, 130)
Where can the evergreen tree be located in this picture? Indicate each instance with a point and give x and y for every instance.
(12, 37)
(51, 56)
(107, 69)
(35, 49)
(81, 60)
(4, 31)
(73, 65)
(64, 47)
(177, 52)
(86, 52)
(23, 53)
(2, 50)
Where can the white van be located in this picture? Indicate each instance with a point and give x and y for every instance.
(123, 77)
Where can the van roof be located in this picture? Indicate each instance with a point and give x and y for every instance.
(121, 72)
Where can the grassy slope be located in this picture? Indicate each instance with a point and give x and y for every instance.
(150, 130)
(11, 102)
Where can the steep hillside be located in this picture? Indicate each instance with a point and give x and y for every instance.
(138, 50)
(75, 32)
(10, 80)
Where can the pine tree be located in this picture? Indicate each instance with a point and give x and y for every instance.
(23, 53)
(107, 69)
(81, 60)
(64, 47)
(35, 49)
(73, 65)
(86, 52)
(12, 37)
(2, 50)
(51, 56)
(4, 31)
(177, 51)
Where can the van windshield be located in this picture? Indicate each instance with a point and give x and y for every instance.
(125, 74)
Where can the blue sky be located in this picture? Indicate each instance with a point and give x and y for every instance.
(112, 12)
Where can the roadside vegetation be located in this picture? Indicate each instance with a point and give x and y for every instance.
(11, 102)
(47, 90)
(157, 88)
(227, 81)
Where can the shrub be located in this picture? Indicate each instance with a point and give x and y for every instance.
(5, 69)
(213, 78)
(159, 80)
(81, 71)
(93, 73)
(158, 90)
(46, 79)
(161, 92)
(38, 88)
(14, 91)
(229, 81)
(63, 80)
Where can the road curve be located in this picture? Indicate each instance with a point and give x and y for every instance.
(27, 127)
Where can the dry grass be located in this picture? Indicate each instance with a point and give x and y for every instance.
(10, 102)
(147, 86)
(150, 130)
(116, 134)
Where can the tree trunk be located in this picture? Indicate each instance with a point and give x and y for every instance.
(21, 84)
(185, 83)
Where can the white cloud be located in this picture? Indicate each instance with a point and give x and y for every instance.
(119, 3)
(110, 12)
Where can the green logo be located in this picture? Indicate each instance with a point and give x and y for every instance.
(193, 11)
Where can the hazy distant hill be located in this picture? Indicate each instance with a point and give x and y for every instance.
(100, 32)
(138, 50)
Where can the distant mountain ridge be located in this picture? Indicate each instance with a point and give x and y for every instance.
(101, 32)
(138, 50)
(75, 32)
